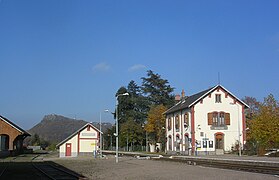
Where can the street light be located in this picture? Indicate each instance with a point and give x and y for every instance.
(239, 146)
(101, 141)
(116, 124)
(146, 140)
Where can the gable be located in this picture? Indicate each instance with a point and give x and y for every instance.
(190, 101)
(88, 131)
(7, 123)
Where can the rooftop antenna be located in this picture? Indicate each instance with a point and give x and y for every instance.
(218, 78)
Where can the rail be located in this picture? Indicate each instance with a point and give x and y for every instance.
(241, 165)
(54, 172)
(34, 164)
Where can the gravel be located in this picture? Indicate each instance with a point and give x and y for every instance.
(132, 168)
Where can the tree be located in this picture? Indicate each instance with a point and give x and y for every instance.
(157, 90)
(265, 125)
(109, 138)
(138, 103)
(155, 123)
(131, 133)
(124, 105)
(251, 145)
(35, 140)
(133, 109)
(254, 106)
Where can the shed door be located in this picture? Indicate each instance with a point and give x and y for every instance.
(68, 149)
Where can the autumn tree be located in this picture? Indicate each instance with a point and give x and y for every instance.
(155, 123)
(265, 125)
(251, 145)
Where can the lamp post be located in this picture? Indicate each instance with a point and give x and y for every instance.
(116, 124)
(146, 140)
(239, 141)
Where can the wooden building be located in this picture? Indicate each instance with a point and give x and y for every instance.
(83, 141)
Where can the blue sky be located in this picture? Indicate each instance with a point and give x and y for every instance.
(70, 57)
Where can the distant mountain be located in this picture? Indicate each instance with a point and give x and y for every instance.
(55, 128)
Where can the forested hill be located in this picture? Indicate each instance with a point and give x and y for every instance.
(55, 128)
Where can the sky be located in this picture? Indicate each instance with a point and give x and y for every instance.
(69, 57)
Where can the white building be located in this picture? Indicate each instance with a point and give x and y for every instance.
(83, 141)
(209, 122)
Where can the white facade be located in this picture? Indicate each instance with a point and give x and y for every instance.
(209, 122)
(83, 141)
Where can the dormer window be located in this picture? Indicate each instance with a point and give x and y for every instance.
(218, 98)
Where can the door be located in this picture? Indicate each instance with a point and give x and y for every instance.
(177, 144)
(219, 144)
(68, 149)
(186, 145)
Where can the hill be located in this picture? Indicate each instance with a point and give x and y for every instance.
(55, 128)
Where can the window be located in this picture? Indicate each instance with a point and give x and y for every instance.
(221, 118)
(169, 124)
(186, 120)
(215, 118)
(201, 134)
(4, 142)
(204, 144)
(218, 98)
(177, 123)
(210, 144)
(218, 118)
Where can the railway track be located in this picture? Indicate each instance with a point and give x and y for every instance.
(240, 166)
(249, 166)
(3, 166)
(34, 167)
(55, 172)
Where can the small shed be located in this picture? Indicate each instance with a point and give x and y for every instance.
(11, 137)
(82, 142)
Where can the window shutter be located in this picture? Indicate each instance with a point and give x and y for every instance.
(227, 118)
(210, 118)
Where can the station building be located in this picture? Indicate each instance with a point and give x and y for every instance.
(209, 122)
(11, 137)
(84, 141)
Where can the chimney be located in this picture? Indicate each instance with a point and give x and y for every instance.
(177, 97)
(182, 94)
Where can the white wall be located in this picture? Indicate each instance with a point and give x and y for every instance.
(73, 141)
(88, 140)
(228, 106)
(201, 110)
